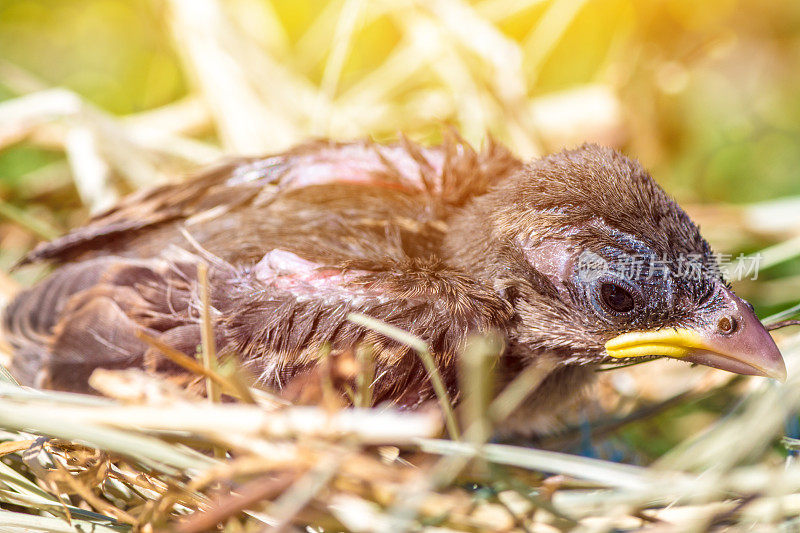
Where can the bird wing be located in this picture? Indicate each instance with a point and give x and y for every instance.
(449, 174)
(295, 243)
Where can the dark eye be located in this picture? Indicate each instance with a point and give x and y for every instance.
(616, 298)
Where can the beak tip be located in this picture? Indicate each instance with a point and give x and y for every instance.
(778, 372)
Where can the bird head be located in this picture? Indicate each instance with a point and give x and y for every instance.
(601, 265)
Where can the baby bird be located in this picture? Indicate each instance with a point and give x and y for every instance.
(443, 242)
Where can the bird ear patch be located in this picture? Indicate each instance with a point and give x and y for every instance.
(553, 258)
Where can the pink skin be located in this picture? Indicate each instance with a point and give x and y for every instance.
(357, 164)
(288, 272)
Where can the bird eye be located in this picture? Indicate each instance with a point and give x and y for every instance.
(615, 298)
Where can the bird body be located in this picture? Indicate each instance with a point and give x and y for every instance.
(443, 242)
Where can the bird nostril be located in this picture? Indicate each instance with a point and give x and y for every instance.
(726, 324)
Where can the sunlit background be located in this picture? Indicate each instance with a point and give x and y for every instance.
(101, 97)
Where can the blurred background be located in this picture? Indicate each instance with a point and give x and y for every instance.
(101, 97)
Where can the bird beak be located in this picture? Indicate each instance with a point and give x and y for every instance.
(732, 339)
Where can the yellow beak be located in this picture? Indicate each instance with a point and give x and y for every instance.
(676, 343)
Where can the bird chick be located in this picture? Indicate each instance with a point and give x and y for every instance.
(443, 242)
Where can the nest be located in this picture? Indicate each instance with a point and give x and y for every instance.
(153, 456)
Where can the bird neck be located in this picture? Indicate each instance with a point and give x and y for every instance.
(469, 243)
